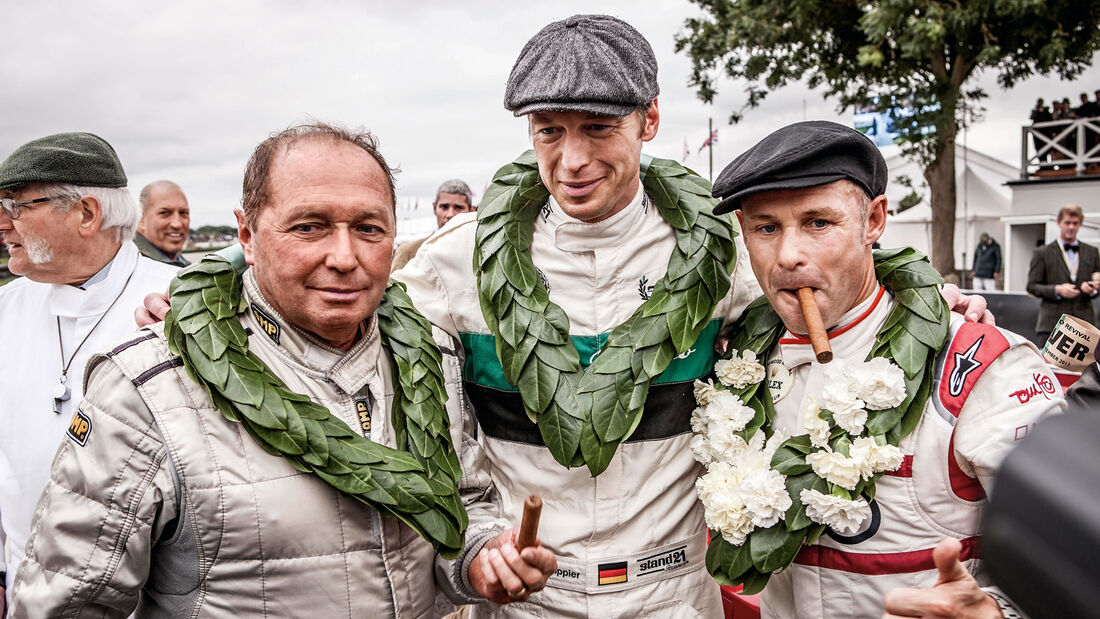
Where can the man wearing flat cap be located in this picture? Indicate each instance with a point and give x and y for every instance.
(891, 446)
(67, 220)
(607, 449)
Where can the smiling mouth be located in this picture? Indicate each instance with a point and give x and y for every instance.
(579, 190)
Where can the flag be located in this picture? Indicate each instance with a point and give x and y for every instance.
(711, 140)
(687, 151)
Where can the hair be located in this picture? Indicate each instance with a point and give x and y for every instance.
(1071, 210)
(119, 211)
(859, 196)
(146, 197)
(256, 190)
(456, 186)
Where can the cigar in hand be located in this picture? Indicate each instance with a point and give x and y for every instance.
(815, 327)
(529, 526)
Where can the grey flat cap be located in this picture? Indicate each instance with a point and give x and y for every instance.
(74, 158)
(587, 63)
(805, 154)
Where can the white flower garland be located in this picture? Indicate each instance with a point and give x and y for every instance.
(741, 491)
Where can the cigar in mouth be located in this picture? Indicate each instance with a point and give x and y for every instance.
(819, 339)
(529, 526)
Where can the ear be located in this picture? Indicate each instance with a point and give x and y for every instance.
(652, 120)
(244, 233)
(876, 219)
(90, 213)
(141, 226)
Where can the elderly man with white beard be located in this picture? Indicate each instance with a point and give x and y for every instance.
(67, 220)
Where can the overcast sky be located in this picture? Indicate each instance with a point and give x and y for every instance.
(185, 90)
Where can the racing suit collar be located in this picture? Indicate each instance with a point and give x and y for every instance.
(349, 370)
(848, 337)
(575, 236)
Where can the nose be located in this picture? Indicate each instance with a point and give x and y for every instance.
(575, 151)
(789, 251)
(341, 251)
(5, 221)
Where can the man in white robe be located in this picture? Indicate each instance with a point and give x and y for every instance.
(67, 221)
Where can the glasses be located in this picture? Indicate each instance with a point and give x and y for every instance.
(13, 209)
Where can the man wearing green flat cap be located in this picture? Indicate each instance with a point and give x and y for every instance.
(67, 220)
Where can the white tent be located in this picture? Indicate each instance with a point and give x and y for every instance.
(981, 200)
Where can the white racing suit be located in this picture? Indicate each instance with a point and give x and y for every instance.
(630, 542)
(158, 503)
(991, 387)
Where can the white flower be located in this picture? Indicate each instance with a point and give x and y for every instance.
(766, 497)
(704, 392)
(740, 372)
(879, 383)
(878, 458)
(725, 443)
(847, 408)
(837, 468)
(724, 508)
(699, 420)
(815, 426)
(842, 515)
(727, 409)
(702, 450)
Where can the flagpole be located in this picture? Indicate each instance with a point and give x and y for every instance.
(710, 148)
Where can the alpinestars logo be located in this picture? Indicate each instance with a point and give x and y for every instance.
(645, 289)
(964, 365)
(546, 210)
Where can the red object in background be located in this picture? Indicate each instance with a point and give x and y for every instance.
(1065, 377)
(739, 606)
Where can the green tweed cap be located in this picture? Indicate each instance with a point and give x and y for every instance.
(75, 158)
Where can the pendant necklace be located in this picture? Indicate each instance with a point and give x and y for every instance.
(61, 391)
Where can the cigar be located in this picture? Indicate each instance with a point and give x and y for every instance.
(529, 526)
(814, 325)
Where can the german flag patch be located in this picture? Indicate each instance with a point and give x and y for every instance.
(612, 573)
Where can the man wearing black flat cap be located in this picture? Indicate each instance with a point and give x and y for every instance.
(67, 220)
(1062, 275)
(882, 459)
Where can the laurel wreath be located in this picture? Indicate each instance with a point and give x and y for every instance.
(417, 482)
(584, 415)
(914, 332)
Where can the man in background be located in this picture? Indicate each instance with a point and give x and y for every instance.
(1061, 275)
(987, 263)
(452, 197)
(165, 223)
(67, 220)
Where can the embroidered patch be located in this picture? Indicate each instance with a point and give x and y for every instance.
(964, 365)
(664, 562)
(79, 428)
(778, 379)
(1041, 385)
(612, 573)
(362, 409)
(267, 323)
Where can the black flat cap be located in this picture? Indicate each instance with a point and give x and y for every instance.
(587, 63)
(74, 158)
(805, 154)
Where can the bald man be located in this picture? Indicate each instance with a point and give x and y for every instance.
(165, 222)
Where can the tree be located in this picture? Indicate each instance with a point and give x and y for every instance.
(916, 52)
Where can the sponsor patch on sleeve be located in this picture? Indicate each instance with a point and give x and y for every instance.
(80, 427)
(974, 347)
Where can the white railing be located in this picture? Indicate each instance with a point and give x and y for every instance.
(1060, 146)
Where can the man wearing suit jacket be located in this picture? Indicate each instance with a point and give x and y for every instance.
(1061, 275)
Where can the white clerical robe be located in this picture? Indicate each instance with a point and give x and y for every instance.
(30, 430)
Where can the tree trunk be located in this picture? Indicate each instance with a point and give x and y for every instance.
(940, 175)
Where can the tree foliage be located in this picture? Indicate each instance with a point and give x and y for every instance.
(923, 50)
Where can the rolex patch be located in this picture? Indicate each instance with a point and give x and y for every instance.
(267, 323)
(778, 379)
(79, 428)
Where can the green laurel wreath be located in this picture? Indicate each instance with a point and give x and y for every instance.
(417, 483)
(583, 416)
(914, 332)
